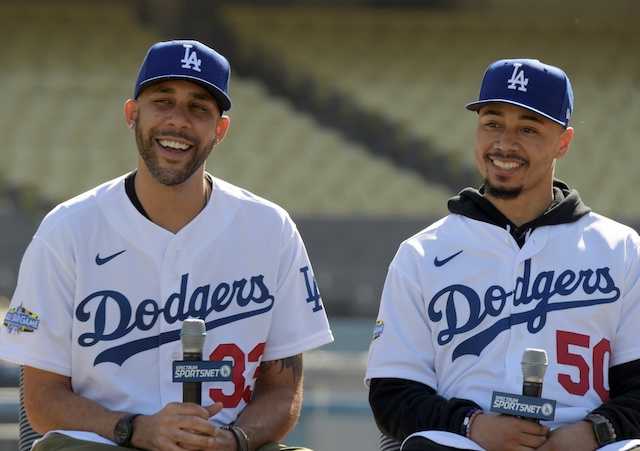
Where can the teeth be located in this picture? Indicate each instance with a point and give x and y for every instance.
(506, 164)
(173, 144)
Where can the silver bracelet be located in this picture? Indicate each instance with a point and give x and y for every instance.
(236, 436)
(244, 436)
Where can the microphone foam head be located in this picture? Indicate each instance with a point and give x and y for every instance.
(534, 364)
(192, 335)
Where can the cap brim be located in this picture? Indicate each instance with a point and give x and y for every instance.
(224, 102)
(475, 106)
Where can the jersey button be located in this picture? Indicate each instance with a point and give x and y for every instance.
(176, 277)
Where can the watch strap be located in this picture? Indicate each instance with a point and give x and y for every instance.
(603, 429)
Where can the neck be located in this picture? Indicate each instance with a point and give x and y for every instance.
(521, 211)
(172, 207)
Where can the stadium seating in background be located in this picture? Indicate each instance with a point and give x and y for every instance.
(417, 68)
(405, 74)
(286, 156)
(70, 69)
(66, 74)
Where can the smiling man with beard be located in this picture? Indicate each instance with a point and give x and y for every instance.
(111, 275)
(519, 263)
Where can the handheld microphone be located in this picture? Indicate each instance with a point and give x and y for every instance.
(192, 336)
(530, 405)
(534, 367)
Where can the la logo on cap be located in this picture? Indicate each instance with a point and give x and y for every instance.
(190, 60)
(530, 84)
(518, 78)
(186, 60)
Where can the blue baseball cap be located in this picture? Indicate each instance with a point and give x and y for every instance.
(186, 60)
(530, 84)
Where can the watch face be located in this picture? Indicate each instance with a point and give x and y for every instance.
(602, 432)
(123, 431)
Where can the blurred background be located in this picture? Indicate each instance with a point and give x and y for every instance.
(348, 113)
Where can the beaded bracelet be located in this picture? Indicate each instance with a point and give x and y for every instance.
(244, 436)
(468, 419)
(236, 436)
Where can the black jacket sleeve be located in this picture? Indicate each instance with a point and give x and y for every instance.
(402, 407)
(623, 407)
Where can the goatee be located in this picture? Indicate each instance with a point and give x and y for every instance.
(167, 176)
(501, 193)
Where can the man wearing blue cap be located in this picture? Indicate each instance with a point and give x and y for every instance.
(511, 324)
(110, 277)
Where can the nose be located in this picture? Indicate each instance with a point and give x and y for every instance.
(179, 117)
(507, 140)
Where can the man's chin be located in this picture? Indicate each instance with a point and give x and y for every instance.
(501, 192)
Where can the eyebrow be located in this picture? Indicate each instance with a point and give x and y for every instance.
(196, 95)
(524, 116)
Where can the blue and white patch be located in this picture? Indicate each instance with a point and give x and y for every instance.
(20, 319)
(378, 329)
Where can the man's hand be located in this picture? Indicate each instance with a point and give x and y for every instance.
(181, 426)
(497, 432)
(573, 437)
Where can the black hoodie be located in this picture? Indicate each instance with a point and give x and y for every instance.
(566, 207)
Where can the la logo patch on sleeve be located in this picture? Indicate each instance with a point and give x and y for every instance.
(19, 319)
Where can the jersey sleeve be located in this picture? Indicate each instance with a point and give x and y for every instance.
(626, 347)
(41, 310)
(401, 346)
(299, 320)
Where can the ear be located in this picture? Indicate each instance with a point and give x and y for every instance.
(221, 127)
(131, 112)
(565, 142)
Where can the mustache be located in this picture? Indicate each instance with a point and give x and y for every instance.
(506, 156)
(159, 134)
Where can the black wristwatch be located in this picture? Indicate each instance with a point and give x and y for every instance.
(123, 432)
(602, 428)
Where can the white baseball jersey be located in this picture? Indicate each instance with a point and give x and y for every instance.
(102, 293)
(462, 301)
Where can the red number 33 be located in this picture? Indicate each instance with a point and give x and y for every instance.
(241, 390)
(580, 387)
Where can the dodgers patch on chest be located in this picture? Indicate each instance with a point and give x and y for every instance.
(470, 318)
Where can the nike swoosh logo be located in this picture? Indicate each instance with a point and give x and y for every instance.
(102, 261)
(446, 260)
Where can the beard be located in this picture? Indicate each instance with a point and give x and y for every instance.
(168, 176)
(501, 193)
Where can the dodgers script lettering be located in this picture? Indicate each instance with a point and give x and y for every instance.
(543, 293)
(178, 307)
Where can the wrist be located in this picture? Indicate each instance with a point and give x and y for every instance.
(244, 437)
(468, 421)
(124, 429)
(236, 436)
(138, 432)
(603, 430)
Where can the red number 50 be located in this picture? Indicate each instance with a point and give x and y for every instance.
(581, 386)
